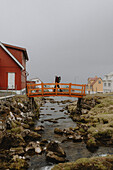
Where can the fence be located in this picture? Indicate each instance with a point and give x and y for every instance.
(56, 89)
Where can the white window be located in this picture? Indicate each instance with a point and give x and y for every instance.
(11, 80)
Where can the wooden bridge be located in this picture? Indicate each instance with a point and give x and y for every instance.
(56, 89)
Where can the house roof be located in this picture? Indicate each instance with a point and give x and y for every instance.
(8, 52)
(17, 48)
(93, 79)
(34, 79)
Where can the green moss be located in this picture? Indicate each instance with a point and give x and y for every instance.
(95, 163)
(81, 130)
(17, 130)
(19, 164)
(14, 125)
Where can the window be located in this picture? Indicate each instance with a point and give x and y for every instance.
(11, 80)
(99, 82)
(109, 84)
(104, 84)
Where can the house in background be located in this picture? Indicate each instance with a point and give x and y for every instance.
(13, 68)
(95, 85)
(108, 83)
(36, 80)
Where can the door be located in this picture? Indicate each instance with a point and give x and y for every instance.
(11, 80)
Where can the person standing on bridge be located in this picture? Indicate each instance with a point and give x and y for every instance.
(57, 80)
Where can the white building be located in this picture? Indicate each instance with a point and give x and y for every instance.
(36, 80)
(108, 83)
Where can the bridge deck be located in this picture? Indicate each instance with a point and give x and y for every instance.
(56, 89)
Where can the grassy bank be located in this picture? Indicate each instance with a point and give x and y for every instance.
(94, 121)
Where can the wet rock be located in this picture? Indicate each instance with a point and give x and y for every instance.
(68, 132)
(11, 140)
(17, 150)
(33, 147)
(55, 153)
(53, 108)
(92, 145)
(31, 123)
(60, 118)
(39, 128)
(52, 157)
(51, 120)
(77, 138)
(43, 142)
(65, 113)
(62, 110)
(29, 135)
(58, 131)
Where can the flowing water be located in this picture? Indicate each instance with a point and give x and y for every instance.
(73, 150)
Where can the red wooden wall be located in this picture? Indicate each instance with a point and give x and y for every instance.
(7, 64)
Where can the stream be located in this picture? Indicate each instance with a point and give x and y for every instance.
(56, 111)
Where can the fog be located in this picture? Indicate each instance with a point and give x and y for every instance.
(70, 38)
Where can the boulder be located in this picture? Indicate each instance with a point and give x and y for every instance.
(11, 140)
(43, 142)
(39, 128)
(92, 145)
(17, 150)
(58, 131)
(77, 138)
(52, 157)
(33, 147)
(29, 135)
(55, 153)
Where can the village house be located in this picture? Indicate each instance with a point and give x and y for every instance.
(13, 68)
(35, 81)
(95, 85)
(108, 83)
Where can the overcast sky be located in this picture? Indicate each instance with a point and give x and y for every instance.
(70, 38)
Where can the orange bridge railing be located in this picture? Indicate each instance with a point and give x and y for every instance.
(56, 89)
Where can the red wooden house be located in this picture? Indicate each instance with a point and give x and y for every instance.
(13, 68)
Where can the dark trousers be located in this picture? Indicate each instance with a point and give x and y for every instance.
(58, 87)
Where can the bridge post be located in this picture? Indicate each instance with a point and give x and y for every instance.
(42, 88)
(84, 88)
(69, 89)
(79, 109)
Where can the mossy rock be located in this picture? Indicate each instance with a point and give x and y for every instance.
(92, 145)
(103, 134)
(17, 129)
(19, 164)
(95, 163)
(13, 124)
(82, 130)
